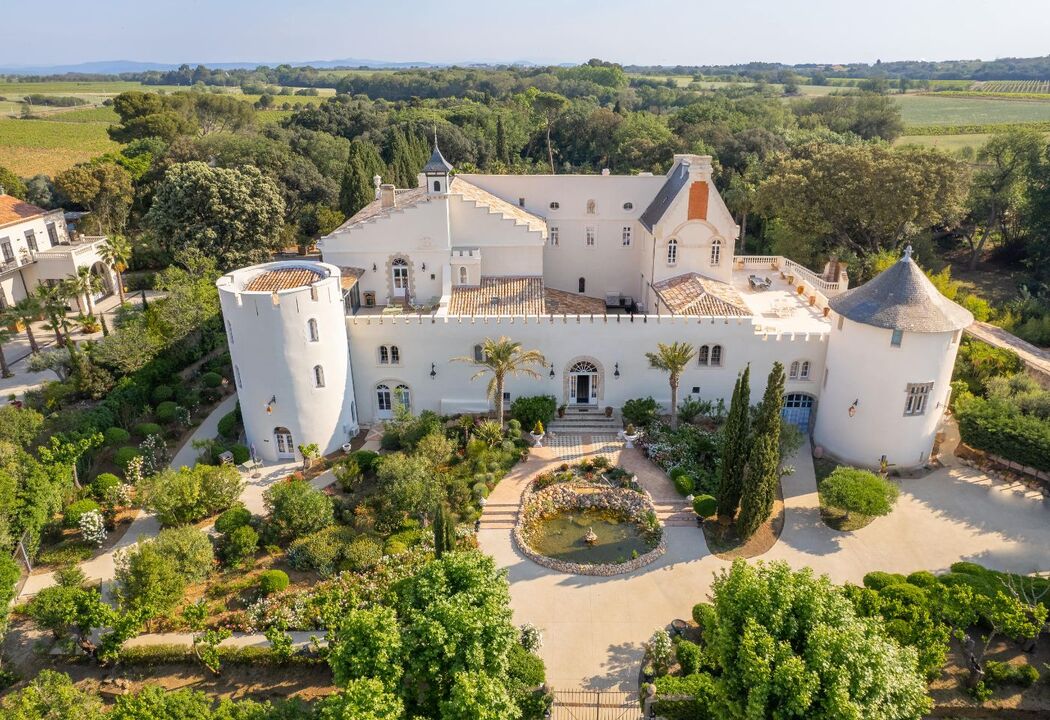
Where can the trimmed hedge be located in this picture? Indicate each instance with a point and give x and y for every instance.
(705, 505)
(123, 456)
(71, 515)
(529, 409)
(102, 483)
(165, 412)
(240, 454)
(162, 393)
(228, 425)
(273, 581)
(211, 379)
(999, 428)
(115, 436)
(237, 516)
(144, 430)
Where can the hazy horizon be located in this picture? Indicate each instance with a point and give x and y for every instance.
(659, 32)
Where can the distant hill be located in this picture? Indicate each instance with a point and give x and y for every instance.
(116, 67)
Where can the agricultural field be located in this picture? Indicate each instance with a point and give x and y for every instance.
(1025, 87)
(28, 147)
(941, 109)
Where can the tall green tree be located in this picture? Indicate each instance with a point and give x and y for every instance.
(356, 189)
(5, 337)
(116, 252)
(549, 105)
(735, 435)
(12, 184)
(762, 475)
(102, 187)
(501, 140)
(26, 311)
(444, 531)
(673, 359)
(84, 284)
(503, 358)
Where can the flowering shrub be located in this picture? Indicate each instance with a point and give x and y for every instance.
(93, 527)
(691, 450)
(531, 638)
(154, 454)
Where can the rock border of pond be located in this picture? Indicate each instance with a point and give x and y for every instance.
(537, 504)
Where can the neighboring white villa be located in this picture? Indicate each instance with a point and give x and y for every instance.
(36, 247)
(592, 271)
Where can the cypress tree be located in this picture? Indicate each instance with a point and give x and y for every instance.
(105, 328)
(763, 463)
(355, 189)
(439, 530)
(734, 446)
(501, 140)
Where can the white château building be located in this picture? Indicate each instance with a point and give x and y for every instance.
(592, 271)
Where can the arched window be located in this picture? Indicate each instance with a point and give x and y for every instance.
(384, 355)
(462, 275)
(716, 251)
(703, 355)
(628, 206)
(793, 371)
(311, 328)
(672, 251)
(383, 398)
(285, 444)
(555, 205)
(403, 396)
(583, 366)
(437, 186)
(803, 373)
(318, 376)
(716, 356)
(479, 354)
(395, 355)
(591, 207)
(583, 284)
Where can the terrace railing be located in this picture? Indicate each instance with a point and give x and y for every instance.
(790, 267)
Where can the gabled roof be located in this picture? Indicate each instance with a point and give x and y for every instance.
(520, 215)
(901, 297)
(524, 295)
(13, 210)
(437, 163)
(675, 182)
(374, 210)
(693, 294)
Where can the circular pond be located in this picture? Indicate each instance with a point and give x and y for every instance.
(589, 536)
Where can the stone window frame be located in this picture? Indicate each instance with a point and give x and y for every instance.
(390, 276)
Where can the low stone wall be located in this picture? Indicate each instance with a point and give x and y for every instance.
(566, 496)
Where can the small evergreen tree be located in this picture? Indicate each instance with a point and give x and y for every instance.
(501, 140)
(763, 463)
(444, 531)
(734, 446)
(356, 188)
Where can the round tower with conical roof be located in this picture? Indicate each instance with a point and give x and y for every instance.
(888, 369)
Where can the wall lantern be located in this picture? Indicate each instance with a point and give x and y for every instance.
(552, 371)
(373, 267)
(433, 370)
(853, 408)
(269, 405)
(616, 370)
(424, 267)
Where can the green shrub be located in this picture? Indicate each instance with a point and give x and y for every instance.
(480, 490)
(677, 472)
(124, 455)
(703, 693)
(999, 427)
(923, 579)
(102, 483)
(162, 393)
(390, 441)
(144, 430)
(347, 473)
(71, 515)
(705, 505)
(296, 509)
(320, 551)
(115, 436)
(525, 668)
(240, 545)
(704, 615)
(362, 553)
(228, 425)
(858, 491)
(189, 494)
(878, 580)
(394, 547)
(639, 411)
(240, 454)
(165, 412)
(366, 459)
(230, 520)
(189, 549)
(273, 581)
(998, 674)
(683, 484)
(211, 379)
(530, 409)
(689, 656)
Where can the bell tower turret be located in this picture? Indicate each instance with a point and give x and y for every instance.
(437, 171)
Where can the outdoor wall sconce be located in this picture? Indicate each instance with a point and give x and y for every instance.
(616, 370)
(853, 408)
(269, 405)
(433, 370)
(552, 371)
(424, 267)
(373, 267)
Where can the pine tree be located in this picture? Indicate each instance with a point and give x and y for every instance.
(763, 463)
(501, 140)
(735, 446)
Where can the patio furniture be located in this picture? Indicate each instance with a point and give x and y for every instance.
(678, 626)
(758, 283)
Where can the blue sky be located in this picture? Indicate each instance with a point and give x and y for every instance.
(640, 31)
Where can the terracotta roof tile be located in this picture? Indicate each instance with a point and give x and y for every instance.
(519, 296)
(520, 215)
(348, 276)
(693, 294)
(13, 210)
(284, 279)
(375, 210)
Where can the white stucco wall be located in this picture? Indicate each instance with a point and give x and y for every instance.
(273, 357)
(863, 366)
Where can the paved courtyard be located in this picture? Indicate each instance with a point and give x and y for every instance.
(594, 627)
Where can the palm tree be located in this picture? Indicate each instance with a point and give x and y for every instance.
(116, 253)
(5, 335)
(52, 299)
(503, 357)
(672, 359)
(84, 285)
(26, 311)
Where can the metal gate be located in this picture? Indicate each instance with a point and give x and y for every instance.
(595, 705)
(797, 409)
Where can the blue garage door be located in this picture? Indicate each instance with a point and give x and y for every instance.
(797, 408)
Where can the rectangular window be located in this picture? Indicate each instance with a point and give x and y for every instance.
(31, 240)
(521, 202)
(5, 244)
(555, 235)
(52, 234)
(592, 234)
(896, 337)
(627, 236)
(918, 394)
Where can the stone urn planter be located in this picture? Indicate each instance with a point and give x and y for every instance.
(630, 435)
(346, 448)
(537, 438)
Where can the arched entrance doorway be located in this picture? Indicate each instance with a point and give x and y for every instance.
(105, 277)
(584, 379)
(285, 445)
(798, 409)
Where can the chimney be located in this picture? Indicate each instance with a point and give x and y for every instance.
(376, 182)
(386, 195)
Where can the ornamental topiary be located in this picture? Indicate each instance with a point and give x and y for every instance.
(165, 412)
(228, 425)
(211, 379)
(273, 581)
(71, 515)
(230, 520)
(858, 491)
(115, 436)
(124, 455)
(705, 505)
(683, 484)
(144, 430)
(102, 483)
(366, 459)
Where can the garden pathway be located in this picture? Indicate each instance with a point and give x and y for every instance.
(594, 627)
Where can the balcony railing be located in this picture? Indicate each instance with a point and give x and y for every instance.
(790, 267)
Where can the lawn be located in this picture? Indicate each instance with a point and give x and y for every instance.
(28, 147)
(938, 110)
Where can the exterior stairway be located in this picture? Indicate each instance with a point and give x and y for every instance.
(585, 422)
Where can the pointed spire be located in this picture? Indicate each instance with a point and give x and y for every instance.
(437, 165)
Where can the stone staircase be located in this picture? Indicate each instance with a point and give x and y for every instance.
(577, 421)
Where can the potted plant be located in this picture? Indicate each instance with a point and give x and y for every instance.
(608, 411)
(537, 434)
(561, 411)
(630, 434)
